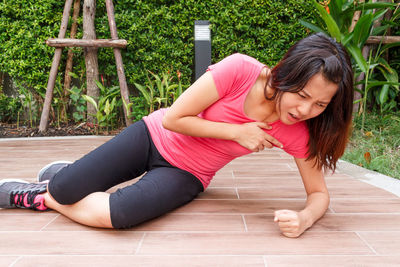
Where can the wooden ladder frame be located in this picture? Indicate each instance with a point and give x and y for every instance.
(61, 42)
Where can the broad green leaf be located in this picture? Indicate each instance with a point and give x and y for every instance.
(347, 5)
(101, 102)
(151, 86)
(347, 38)
(396, 14)
(379, 30)
(102, 88)
(91, 101)
(379, 83)
(172, 87)
(361, 91)
(113, 103)
(160, 88)
(311, 26)
(359, 82)
(155, 76)
(335, 8)
(333, 28)
(379, 14)
(100, 117)
(143, 90)
(388, 46)
(107, 108)
(366, 6)
(73, 75)
(372, 66)
(358, 57)
(362, 30)
(389, 73)
(127, 106)
(383, 94)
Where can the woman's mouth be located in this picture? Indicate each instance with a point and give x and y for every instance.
(293, 118)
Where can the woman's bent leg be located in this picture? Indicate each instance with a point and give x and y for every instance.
(92, 210)
(122, 158)
(156, 193)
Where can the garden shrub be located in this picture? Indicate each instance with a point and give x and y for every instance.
(159, 34)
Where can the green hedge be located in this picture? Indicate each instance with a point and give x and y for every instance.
(159, 33)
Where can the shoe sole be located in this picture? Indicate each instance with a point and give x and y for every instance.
(48, 166)
(12, 180)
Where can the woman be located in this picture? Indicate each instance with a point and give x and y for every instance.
(237, 107)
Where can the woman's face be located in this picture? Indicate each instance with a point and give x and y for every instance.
(307, 103)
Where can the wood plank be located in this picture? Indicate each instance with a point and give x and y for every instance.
(261, 243)
(332, 261)
(140, 261)
(383, 39)
(81, 243)
(66, 42)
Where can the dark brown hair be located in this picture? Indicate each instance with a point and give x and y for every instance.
(330, 130)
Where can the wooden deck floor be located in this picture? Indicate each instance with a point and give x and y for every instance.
(231, 224)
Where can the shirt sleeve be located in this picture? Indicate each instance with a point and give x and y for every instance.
(226, 73)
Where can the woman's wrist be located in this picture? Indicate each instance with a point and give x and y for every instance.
(307, 218)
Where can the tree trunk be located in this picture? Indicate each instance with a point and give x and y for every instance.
(118, 60)
(53, 71)
(70, 55)
(357, 95)
(92, 71)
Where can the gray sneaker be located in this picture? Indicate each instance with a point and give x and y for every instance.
(48, 171)
(21, 194)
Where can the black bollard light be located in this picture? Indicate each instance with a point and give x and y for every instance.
(202, 47)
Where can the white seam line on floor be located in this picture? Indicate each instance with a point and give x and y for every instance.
(265, 260)
(198, 255)
(245, 224)
(366, 243)
(16, 260)
(237, 193)
(140, 244)
(49, 222)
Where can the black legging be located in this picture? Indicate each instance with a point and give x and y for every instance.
(127, 156)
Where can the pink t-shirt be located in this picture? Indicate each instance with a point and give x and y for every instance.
(234, 76)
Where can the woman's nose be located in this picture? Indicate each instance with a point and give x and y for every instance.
(304, 108)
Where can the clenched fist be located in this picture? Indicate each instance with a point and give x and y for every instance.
(291, 223)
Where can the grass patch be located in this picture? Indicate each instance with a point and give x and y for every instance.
(378, 147)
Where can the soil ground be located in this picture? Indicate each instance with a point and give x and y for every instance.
(12, 130)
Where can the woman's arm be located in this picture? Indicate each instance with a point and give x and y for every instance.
(182, 118)
(292, 223)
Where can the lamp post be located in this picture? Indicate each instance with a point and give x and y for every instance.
(202, 47)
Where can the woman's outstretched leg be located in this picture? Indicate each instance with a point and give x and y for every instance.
(92, 210)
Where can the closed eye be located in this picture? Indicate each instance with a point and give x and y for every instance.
(302, 96)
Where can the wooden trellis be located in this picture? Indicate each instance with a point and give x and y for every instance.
(61, 42)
